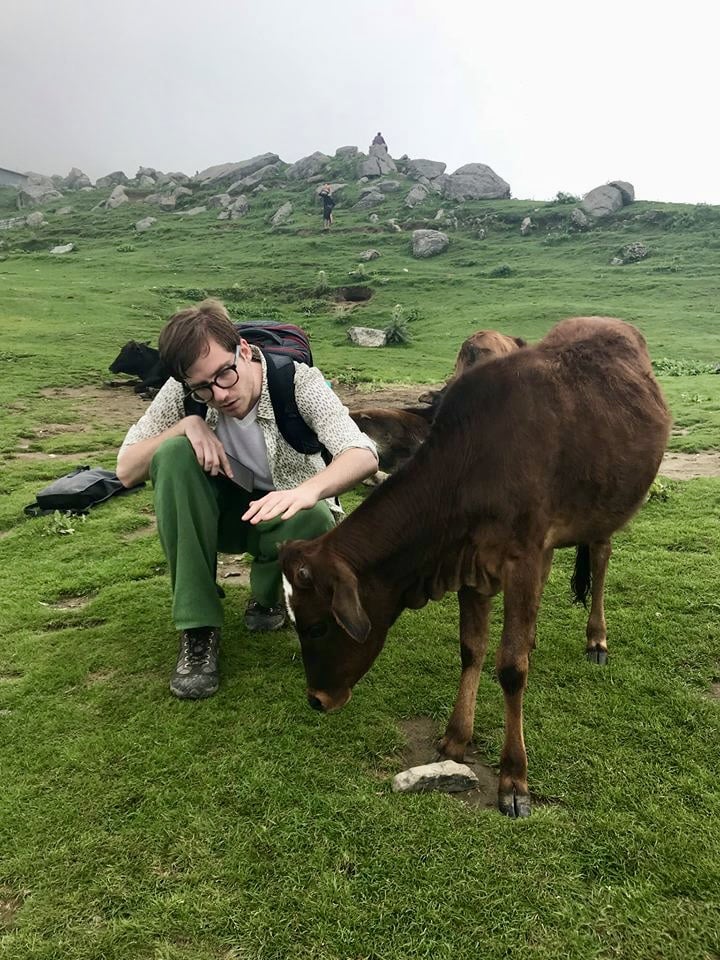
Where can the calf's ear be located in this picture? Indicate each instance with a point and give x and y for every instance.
(520, 342)
(347, 609)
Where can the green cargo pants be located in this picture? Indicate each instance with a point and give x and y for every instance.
(197, 515)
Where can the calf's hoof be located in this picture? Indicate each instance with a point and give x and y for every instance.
(449, 749)
(514, 805)
(597, 655)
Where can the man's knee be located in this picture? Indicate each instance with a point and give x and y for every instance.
(176, 453)
(308, 524)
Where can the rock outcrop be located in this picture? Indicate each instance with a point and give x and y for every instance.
(474, 181)
(308, 167)
(608, 198)
(378, 163)
(236, 171)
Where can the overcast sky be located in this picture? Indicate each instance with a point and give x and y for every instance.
(553, 96)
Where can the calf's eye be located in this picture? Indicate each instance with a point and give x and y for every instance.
(316, 631)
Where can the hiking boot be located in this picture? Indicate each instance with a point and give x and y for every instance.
(258, 617)
(196, 672)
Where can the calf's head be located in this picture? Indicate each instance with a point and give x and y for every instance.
(135, 358)
(338, 638)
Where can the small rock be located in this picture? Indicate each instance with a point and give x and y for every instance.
(239, 207)
(416, 195)
(372, 198)
(447, 776)
(373, 218)
(579, 219)
(192, 212)
(142, 225)
(366, 336)
(369, 255)
(63, 211)
(526, 226)
(63, 248)
(35, 219)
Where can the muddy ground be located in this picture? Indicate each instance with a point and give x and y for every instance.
(117, 407)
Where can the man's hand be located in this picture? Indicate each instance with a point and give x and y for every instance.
(280, 503)
(209, 451)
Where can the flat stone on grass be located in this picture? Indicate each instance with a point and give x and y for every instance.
(446, 775)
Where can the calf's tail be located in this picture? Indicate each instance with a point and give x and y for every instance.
(582, 578)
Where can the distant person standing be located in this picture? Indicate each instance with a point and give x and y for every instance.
(379, 140)
(328, 202)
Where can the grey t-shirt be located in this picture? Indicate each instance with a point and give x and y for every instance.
(243, 439)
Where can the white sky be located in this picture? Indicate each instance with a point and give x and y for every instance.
(553, 96)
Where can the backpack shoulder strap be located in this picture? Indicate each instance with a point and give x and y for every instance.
(281, 386)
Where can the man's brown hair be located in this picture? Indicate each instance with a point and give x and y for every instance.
(185, 337)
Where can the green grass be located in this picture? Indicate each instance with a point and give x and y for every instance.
(136, 826)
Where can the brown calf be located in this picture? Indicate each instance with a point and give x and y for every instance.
(552, 446)
(399, 432)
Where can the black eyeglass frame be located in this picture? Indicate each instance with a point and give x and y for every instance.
(211, 384)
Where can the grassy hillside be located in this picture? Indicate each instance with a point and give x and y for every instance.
(136, 826)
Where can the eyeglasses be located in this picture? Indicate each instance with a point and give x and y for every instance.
(226, 378)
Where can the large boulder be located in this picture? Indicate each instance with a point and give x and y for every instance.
(254, 179)
(116, 198)
(36, 191)
(235, 171)
(220, 200)
(474, 181)
(428, 243)
(239, 207)
(387, 186)
(282, 214)
(63, 248)
(378, 163)
(333, 188)
(142, 225)
(416, 195)
(602, 201)
(178, 176)
(112, 179)
(75, 180)
(425, 168)
(346, 153)
(626, 189)
(367, 337)
(35, 219)
(308, 166)
(148, 172)
(372, 198)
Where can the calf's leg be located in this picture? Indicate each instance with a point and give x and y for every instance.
(522, 585)
(474, 628)
(596, 648)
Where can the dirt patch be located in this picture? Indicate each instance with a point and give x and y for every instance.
(10, 903)
(353, 294)
(421, 735)
(394, 395)
(72, 603)
(714, 691)
(99, 676)
(10, 676)
(101, 406)
(687, 466)
(233, 570)
(145, 531)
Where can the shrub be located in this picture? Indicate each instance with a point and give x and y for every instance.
(502, 270)
(126, 248)
(561, 197)
(397, 331)
(321, 283)
(682, 368)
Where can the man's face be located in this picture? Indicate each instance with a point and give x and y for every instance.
(234, 401)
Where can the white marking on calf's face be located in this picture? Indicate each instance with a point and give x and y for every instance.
(288, 591)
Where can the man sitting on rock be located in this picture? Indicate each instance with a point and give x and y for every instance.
(196, 466)
(379, 140)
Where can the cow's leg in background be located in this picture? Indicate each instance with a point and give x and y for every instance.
(522, 586)
(596, 632)
(474, 631)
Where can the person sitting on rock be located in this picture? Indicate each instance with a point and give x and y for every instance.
(379, 140)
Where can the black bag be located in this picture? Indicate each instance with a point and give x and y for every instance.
(281, 343)
(77, 491)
